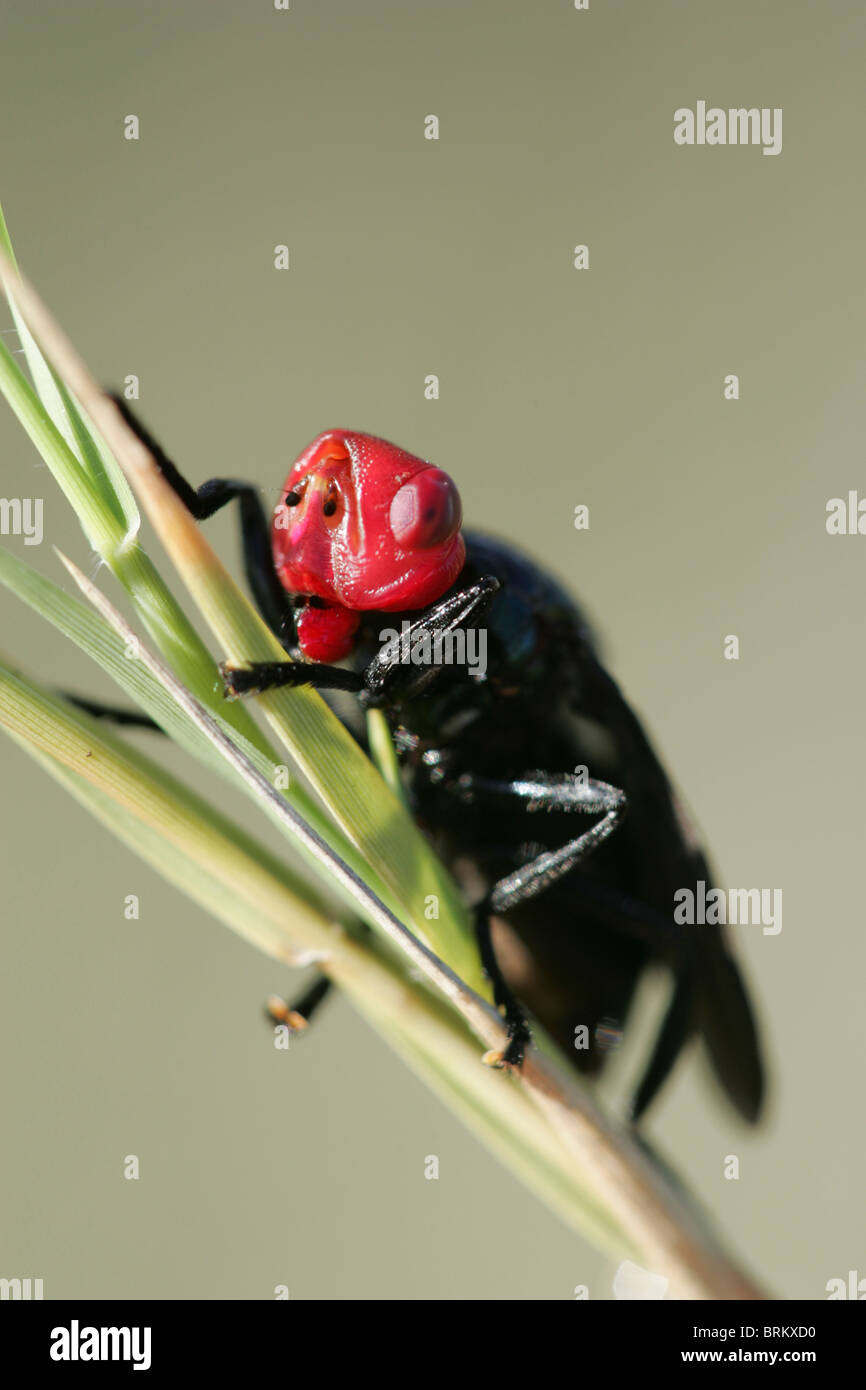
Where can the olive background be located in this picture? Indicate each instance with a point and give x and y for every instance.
(558, 388)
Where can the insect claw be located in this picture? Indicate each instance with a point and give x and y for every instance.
(278, 1010)
(494, 1058)
(233, 689)
(229, 692)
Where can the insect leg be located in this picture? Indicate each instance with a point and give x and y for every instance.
(262, 578)
(544, 791)
(276, 675)
(503, 997)
(385, 678)
(534, 792)
(299, 1015)
(113, 714)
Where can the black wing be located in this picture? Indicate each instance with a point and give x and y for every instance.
(662, 861)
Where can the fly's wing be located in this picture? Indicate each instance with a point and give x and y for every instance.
(727, 1022)
(730, 1032)
(669, 860)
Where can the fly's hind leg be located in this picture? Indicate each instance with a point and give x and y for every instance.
(298, 1016)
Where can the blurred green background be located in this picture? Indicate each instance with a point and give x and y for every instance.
(604, 387)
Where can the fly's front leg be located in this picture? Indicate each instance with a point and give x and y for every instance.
(402, 670)
(260, 676)
(393, 674)
(269, 594)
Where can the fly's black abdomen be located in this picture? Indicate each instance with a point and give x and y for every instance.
(576, 952)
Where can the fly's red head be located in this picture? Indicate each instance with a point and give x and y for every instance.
(362, 526)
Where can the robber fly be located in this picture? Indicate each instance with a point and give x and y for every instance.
(536, 782)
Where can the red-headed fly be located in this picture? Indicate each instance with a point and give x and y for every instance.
(534, 778)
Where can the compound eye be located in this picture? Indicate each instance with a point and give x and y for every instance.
(426, 511)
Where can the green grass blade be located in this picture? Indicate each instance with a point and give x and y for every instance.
(101, 470)
(162, 615)
(93, 635)
(140, 787)
(219, 866)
